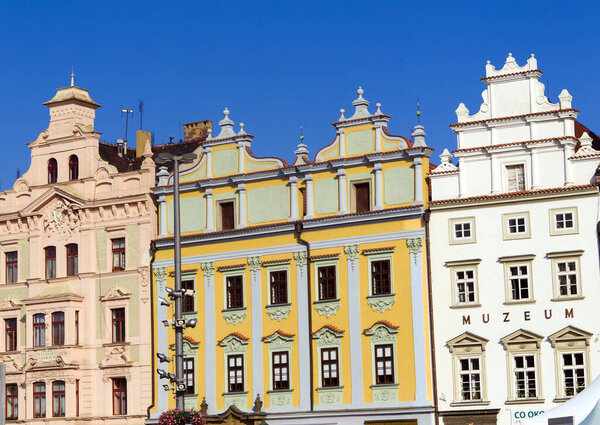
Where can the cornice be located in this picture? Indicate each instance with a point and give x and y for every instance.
(500, 146)
(569, 111)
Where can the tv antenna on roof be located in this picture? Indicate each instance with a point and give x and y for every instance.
(126, 110)
(141, 109)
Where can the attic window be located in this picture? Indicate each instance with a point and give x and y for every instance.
(227, 215)
(362, 197)
(516, 177)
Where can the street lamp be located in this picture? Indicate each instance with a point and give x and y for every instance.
(164, 158)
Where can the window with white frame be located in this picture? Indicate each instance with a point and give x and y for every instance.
(470, 378)
(462, 230)
(573, 373)
(465, 285)
(523, 356)
(329, 345)
(516, 225)
(518, 278)
(571, 347)
(525, 376)
(234, 357)
(280, 368)
(515, 177)
(563, 221)
(468, 356)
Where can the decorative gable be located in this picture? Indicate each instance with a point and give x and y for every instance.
(570, 336)
(382, 331)
(328, 335)
(234, 342)
(7, 305)
(114, 294)
(465, 341)
(521, 339)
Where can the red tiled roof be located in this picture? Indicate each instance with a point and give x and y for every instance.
(330, 327)
(514, 194)
(359, 119)
(384, 248)
(383, 322)
(283, 260)
(280, 332)
(443, 172)
(580, 129)
(524, 142)
(233, 266)
(239, 335)
(461, 124)
(190, 339)
(317, 257)
(184, 271)
(512, 74)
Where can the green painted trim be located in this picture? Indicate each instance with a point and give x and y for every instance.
(268, 204)
(360, 142)
(224, 162)
(326, 196)
(398, 185)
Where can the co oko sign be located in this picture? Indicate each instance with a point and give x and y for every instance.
(517, 416)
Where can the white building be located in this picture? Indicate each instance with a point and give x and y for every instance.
(514, 254)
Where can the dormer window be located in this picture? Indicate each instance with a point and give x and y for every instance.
(73, 167)
(52, 171)
(516, 177)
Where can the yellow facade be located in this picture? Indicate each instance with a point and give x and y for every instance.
(355, 211)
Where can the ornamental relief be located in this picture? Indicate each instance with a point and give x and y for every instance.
(327, 309)
(61, 219)
(381, 303)
(279, 312)
(330, 396)
(116, 356)
(234, 316)
(283, 399)
(385, 395)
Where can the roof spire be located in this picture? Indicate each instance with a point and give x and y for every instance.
(418, 112)
(72, 76)
(301, 136)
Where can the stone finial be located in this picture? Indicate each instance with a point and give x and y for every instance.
(446, 165)
(342, 117)
(565, 99)
(378, 112)
(163, 176)
(147, 162)
(226, 125)
(586, 149)
(585, 140)
(418, 136)
(361, 105)
(204, 406)
(241, 129)
(257, 408)
(446, 157)
(532, 62)
(462, 112)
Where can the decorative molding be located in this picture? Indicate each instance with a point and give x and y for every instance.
(208, 268)
(234, 343)
(382, 332)
(327, 308)
(351, 252)
(330, 395)
(278, 312)
(234, 316)
(385, 393)
(280, 398)
(160, 273)
(328, 336)
(279, 340)
(114, 294)
(254, 263)
(414, 245)
(238, 400)
(300, 257)
(381, 302)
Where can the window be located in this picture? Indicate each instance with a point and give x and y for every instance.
(188, 305)
(380, 277)
(235, 291)
(58, 398)
(303, 195)
(281, 370)
(52, 171)
(573, 371)
(72, 259)
(73, 167)
(11, 334)
(39, 400)
(465, 286)
(118, 324)
(515, 177)
(235, 373)
(279, 291)
(50, 255)
(188, 375)
(329, 367)
(58, 328)
(518, 279)
(567, 277)
(227, 215)
(118, 254)
(384, 364)
(12, 269)
(525, 376)
(516, 226)
(461, 230)
(470, 379)
(39, 330)
(361, 201)
(327, 283)
(77, 327)
(12, 401)
(571, 346)
(77, 397)
(119, 389)
(563, 221)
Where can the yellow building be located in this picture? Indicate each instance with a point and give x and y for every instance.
(309, 278)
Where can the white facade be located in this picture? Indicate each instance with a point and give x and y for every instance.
(514, 254)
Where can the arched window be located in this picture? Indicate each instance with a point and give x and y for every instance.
(73, 167)
(52, 171)
(50, 261)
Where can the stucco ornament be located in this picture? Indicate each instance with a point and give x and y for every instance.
(385, 394)
(351, 252)
(160, 273)
(61, 220)
(279, 312)
(254, 263)
(281, 399)
(381, 303)
(208, 268)
(234, 344)
(414, 246)
(328, 308)
(234, 316)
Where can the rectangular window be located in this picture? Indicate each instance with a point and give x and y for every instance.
(303, 195)
(77, 397)
(58, 328)
(12, 401)
(188, 305)
(188, 375)
(11, 334)
(58, 398)
(50, 261)
(119, 390)
(573, 366)
(516, 225)
(525, 376)
(516, 177)
(281, 370)
(362, 197)
(227, 215)
(39, 330)
(470, 379)
(118, 254)
(235, 373)
(462, 230)
(563, 221)
(567, 278)
(77, 327)
(39, 400)
(384, 364)
(235, 292)
(329, 367)
(72, 259)
(279, 293)
(327, 283)
(118, 324)
(518, 279)
(12, 267)
(465, 286)
(380, 277)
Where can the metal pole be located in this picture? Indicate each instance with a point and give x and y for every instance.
(2, 394)
(179, 297)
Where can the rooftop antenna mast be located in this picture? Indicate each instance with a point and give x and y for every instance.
(301, 136)
(141, 109)
(127, 110)
(418, 112)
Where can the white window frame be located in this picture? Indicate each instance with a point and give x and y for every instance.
(523, 343)
(191, 275)
(328, 338)
(452, 231)
(566, 257)
(278, 342)
(326, 308)
(554, 230)
(518, 261)
(507, 235)
(569, 340)
(505, 166)
(468, 346)
(464, 265)
(232, 345)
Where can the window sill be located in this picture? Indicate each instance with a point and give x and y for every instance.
(519, 302)
(516, 236)
(10, 353)
(190, 395)
(384, 393)
(235, 393)
(459, 242)
(562, 399)
(384, 386)
(327, 308)
(580, 297)
(280, 391)
(279, 311)
(330, 388)
(459, 306)
(234, 316)
(526, 401)
(116, 344)
(469, 403)
(381, 302)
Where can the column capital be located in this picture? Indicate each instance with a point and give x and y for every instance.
(308, 177)
(377, 166)
(208, 149)
(208, 192)
(293, 179)
(160, 273)
(417, 161)
(241, 187)
(208, 268)
(341, 172)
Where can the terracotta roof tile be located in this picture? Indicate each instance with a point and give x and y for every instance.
(190, 339)
(383, 248)
(283, 260)
(318, 257)
(239, 335)
(184, 271)
(462, 124)
(280, 332)
(494, 77)
(433, 173)
(383, 322)
(233, 266)
(331, 327)
(524, 142)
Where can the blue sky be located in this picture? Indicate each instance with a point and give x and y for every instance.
(277, 65)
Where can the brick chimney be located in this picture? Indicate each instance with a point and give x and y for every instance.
(195, 130)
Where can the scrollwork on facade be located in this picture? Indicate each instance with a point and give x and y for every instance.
(279, 312)
(254, 263)
(234, 316)
(61, 219)
(381, 303)
(160, 273)
(328, 308)
(208, 268)
(414, 246)
(351, 252)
